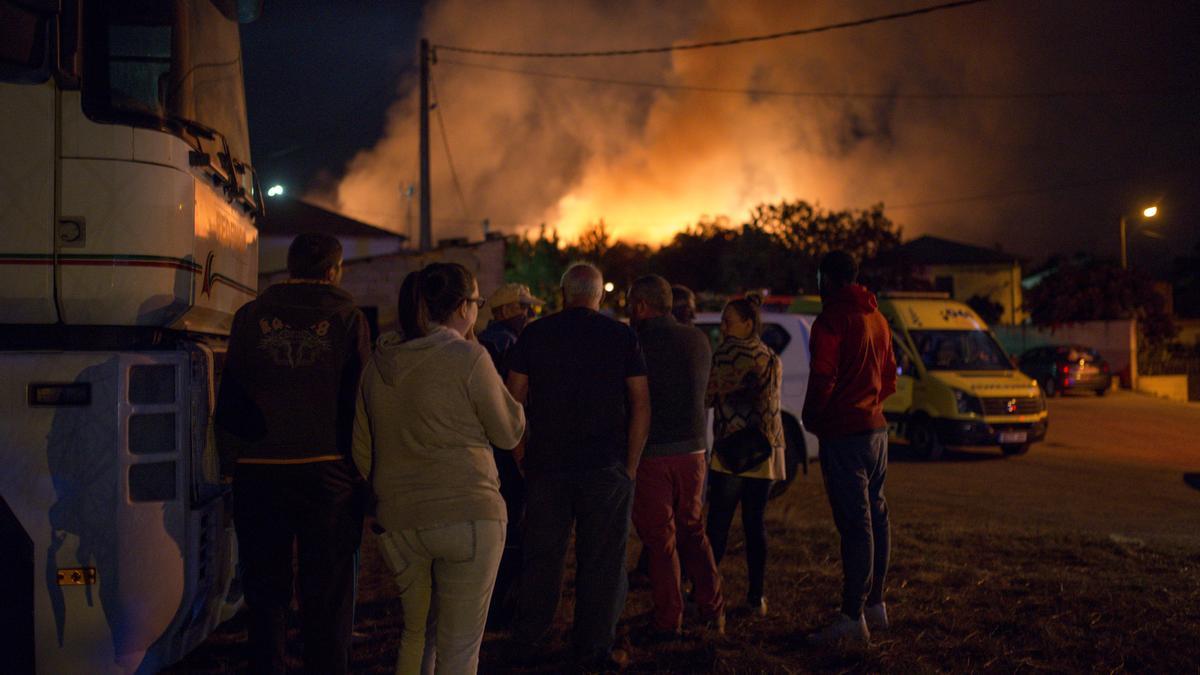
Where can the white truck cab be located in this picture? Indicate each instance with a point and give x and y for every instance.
(127, 208)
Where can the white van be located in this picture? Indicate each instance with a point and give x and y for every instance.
(788, 336)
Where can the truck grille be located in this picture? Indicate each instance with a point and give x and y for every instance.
(1002, 405)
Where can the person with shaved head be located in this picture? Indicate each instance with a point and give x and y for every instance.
(582, 378)
(669, 499)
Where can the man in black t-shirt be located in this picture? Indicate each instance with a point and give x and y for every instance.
(582, 378)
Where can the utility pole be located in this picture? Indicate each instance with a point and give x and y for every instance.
(1124, 244)
(426, 213)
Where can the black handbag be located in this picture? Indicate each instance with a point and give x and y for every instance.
(743, 450)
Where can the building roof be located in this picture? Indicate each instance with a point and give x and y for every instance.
(287, 216)
(937, 251)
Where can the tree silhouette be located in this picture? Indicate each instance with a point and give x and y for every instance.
(1100, 291)
(537, 263)
(989, 310)
(776, 249)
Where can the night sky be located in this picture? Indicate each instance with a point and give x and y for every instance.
(320, 76)
(1074, 113)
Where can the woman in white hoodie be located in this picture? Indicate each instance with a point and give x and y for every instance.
(430, 407)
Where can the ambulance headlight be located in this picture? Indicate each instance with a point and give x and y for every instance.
(967, 403)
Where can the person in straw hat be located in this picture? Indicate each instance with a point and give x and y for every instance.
(511, 307)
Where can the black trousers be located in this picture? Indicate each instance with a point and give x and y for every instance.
(855, 470)
(512, 489)
(598, 503)
(725, 491)
(317, 510)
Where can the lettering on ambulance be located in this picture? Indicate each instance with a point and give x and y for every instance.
(914, 318)
(956, 313)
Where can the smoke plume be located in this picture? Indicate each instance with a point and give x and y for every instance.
(650, 161)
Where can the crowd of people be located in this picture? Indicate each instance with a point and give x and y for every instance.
(475, 446)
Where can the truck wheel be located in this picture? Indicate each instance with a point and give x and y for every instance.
(923, 440)
(795, 456)
(1013, 449)
(1049, 388)
(1102, 391)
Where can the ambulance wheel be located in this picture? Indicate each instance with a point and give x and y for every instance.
(923, 440)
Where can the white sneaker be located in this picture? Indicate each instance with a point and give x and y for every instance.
(876, 616)
(843, 631)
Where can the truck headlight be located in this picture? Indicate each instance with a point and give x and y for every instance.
(966, 403)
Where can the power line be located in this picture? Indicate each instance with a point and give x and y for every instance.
(801, 94)
(929, 9)
(437, 109)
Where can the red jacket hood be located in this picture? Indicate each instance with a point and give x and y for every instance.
(854, 297)
(852, 369)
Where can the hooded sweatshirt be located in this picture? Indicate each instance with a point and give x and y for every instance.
(853, 368)
(291, 375)
(428, 412)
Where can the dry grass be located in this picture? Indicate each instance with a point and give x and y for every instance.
(995, 598)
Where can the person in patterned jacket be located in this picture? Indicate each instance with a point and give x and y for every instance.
(743, 391)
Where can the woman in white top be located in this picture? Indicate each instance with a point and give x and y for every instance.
(430, 407)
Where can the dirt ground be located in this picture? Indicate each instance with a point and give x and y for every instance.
(1083, 555)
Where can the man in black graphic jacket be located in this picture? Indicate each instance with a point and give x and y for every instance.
(284, 422)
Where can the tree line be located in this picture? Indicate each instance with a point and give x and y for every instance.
(777, 249)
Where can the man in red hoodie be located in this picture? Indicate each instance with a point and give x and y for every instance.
(852, 371)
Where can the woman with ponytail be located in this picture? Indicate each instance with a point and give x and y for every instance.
(748, 444)
(430, 407)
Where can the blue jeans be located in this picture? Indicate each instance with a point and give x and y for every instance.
(450, 570)
(854, 469)
(598, 503)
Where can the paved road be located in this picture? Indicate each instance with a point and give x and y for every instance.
(1113, 466)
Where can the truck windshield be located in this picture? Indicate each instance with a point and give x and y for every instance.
(149, 62)
(23, 41)
(959, 350)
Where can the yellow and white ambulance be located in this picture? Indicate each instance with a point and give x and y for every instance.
(956, 385)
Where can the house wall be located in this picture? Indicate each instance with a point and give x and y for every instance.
(272, 250)
(1189, 331)
(375, 282)
(1000, 283)
(1173, 387)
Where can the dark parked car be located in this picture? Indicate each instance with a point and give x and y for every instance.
(1059, 368)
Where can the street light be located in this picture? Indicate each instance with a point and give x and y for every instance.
(275, 191)
(1148, 212)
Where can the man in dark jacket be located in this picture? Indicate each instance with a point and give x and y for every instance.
(669, 494)
(512, 307)
(284, 419)
(852, 371)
